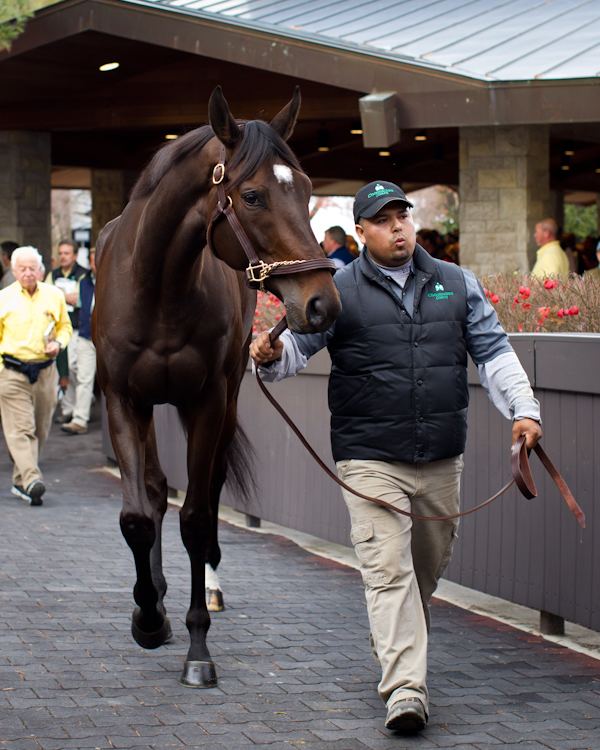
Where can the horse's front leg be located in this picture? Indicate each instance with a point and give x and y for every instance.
(204, 430)
(140, 517)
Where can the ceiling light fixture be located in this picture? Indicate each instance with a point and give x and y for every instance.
(385, 153)
(597, 170)
(171, 136)
(109, 66)
(569, 152)
(421, 136)
(356, 131)
(565, 167)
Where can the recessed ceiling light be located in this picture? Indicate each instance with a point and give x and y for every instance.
(385, 153)
(171, 137)
(597, 170)
(422, 136)
(323, 149)
(356, 131)
(109, 66)
(565, 167)
(569, 152)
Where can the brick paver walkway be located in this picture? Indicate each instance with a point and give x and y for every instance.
(291, 649)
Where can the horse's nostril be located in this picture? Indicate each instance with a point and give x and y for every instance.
(316, 312)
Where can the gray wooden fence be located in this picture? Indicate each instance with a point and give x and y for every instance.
(531, 552)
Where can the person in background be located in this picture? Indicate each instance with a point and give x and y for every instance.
(7, 248)
(334, 245)
(551, 259)
(398, 396)
(86, 355)
(34, 327)
(352, 246)
(67, 278)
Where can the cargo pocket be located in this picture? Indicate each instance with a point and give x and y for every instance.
(368, 552)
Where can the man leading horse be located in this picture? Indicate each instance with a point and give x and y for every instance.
(398, 397)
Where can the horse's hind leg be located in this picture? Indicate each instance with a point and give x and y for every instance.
(204, 428)
(139, 516)
(214, 593)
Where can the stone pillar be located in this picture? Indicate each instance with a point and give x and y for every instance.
(504, 190)
(25, 171)
(110, 193)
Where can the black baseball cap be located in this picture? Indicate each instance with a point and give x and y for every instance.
(371, 198)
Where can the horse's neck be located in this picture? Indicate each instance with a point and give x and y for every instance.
(171, 234)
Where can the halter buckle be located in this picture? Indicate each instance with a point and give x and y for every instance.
(218, 174)
(257, 273)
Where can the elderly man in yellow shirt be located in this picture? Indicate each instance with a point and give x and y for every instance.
(551, 258)
(34, 327)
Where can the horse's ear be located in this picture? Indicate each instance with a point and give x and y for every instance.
(285, 121)
(221, 120)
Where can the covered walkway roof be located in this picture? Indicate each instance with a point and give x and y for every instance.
(499, 40)
(173, 52)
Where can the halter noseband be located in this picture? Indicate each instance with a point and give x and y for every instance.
(257, 271)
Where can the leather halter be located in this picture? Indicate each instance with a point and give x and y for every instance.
(520, 468)
(257, 271)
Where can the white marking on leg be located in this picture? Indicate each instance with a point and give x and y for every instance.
(283, 174)
(211, 579)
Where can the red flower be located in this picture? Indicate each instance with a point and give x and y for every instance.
(524, 291)
(526, 305)
(516, 300)
(494, 298)
(550, 284)
(574, 310)
(520, 328)
(561, 313)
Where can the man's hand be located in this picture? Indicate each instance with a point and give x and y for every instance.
(52, 348)
(261, 350)
(72, 298)
(528, 427)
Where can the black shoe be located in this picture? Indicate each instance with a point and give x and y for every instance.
(35, 491)
(407, 716)
(63, 418)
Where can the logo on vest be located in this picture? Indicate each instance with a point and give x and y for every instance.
(440, 292)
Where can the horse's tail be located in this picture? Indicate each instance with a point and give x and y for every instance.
(240, 466)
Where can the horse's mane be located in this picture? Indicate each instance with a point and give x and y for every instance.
(259, 142)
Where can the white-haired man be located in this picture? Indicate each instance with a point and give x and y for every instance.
(34, 327)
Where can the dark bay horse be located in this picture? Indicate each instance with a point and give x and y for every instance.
(172, 325)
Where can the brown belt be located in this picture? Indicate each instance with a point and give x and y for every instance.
(520, 468)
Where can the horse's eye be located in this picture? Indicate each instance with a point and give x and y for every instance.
(251, 198)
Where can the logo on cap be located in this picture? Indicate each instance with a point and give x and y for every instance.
(380, 191)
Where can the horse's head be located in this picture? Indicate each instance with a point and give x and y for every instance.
(269, 196)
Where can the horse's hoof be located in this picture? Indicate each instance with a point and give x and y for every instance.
(199, 674)
(214, 600)
(151, 639)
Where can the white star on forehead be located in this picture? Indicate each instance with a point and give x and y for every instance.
(283, 174)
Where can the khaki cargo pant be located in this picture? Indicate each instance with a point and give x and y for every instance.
(26, 411)
(401, 561)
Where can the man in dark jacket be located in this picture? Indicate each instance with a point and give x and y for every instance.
(67, 278)
(398, 398)
(85, 355)
(334, 244)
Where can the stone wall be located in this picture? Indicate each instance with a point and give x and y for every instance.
(110, 193)
(504, 191)
(25, 169)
